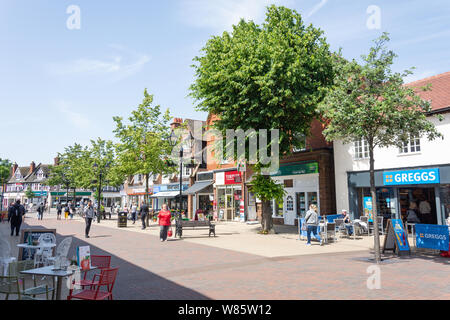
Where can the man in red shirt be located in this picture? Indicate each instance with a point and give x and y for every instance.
(164, 222)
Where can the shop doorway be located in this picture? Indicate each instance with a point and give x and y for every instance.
(423, 200)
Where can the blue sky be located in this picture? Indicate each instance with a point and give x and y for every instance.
(59, 86)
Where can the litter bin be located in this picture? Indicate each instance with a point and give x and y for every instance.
(122, 220)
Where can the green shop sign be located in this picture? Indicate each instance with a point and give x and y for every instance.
(40, 193)
(71, 194)
(297, 169)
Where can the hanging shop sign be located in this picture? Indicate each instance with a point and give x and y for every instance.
(297, 169)
(432, 237)
(411, 177)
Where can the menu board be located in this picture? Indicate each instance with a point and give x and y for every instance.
(396, 238)
(28, 254)
(84, 257)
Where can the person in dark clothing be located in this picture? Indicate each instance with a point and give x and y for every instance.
(40, 211)
(15, 214)
(144, 213)
(58, 211)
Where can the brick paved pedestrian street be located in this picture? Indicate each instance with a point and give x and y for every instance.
(198, 267)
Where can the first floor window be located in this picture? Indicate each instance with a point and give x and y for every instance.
(361, 149)
(411, 146)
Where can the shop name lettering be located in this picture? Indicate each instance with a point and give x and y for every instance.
(433, 236)
(412, 177)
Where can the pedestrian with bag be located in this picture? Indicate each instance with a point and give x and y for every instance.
(15, 215)
(164, 222)
(312, 222)
(89, 215)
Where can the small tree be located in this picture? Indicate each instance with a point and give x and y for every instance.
(144, 142)
(370, 102)
(269, 76)
(5, 173)
(30, 194)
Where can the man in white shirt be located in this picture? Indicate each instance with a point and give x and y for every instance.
(425, 210)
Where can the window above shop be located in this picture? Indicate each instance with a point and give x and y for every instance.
(412, 146)
(361, 149)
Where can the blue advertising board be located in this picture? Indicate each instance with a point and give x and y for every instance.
(368, 209)
(432, 237)
(412, 177)
(400, 235)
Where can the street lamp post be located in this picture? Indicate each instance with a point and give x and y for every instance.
(173, 142)
(99, 189)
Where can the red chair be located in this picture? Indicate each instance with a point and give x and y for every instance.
(107, 279)
(101, 262)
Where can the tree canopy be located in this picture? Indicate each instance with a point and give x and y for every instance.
(269, 76)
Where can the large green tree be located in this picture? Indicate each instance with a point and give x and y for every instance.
(269, 76)
(369, 101)
(144, 141)
(5, 173)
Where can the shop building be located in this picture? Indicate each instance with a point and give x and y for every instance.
(418, 173)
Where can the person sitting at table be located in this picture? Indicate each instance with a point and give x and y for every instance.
(347, 222)
(411, 215)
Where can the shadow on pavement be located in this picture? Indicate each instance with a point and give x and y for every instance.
(133, 282)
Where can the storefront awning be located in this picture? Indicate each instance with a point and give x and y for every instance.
(166, 194)
(199, 186)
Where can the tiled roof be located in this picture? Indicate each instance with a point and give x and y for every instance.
(440, 90)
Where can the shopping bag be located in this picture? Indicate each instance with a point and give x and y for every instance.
(170, 233)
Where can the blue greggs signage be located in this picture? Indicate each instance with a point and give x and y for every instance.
(409, 177)
(432, 237)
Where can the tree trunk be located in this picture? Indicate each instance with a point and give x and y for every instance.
(146, 189)
(266, 221)
(373, 192)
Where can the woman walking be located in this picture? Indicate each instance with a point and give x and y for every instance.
(164, 222)
(312, 222)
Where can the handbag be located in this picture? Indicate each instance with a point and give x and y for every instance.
(169, 233)
(304, 226)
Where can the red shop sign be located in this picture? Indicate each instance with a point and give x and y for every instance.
(233, 177)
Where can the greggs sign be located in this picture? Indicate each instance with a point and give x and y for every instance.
(411, 177)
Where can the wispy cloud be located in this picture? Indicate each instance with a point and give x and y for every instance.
(419, 76)
(317, 8)
(122, 64)
(220, 15)
(77, 119)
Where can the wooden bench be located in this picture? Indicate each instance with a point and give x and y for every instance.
(194, 225)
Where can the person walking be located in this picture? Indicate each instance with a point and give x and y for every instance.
(66, 211)
(15, 215)
(133, 212)
(312, 222)
(89, 214)
(58, 211)
(144, 213)
(40, 211)
(164, 222)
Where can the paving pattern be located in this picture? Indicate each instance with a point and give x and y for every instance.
(182, 270)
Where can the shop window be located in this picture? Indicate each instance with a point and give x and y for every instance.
(290, 203)
(411, 146)
(278, 209)
(361, 149)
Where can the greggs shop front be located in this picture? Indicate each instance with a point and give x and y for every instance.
(426, 190)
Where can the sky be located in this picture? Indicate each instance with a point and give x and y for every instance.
(68, 67)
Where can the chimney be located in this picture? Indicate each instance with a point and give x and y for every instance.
(56, 161)
(32, 167)
(176, 123)
(15, 166)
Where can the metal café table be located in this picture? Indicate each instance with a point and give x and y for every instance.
(49, 271)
